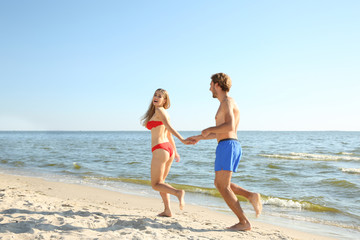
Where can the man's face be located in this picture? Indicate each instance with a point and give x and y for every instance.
(212, 89)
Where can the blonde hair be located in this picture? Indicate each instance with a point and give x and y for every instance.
(151, 110)
(223, 80)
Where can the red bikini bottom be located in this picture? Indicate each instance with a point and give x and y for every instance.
(166, 146)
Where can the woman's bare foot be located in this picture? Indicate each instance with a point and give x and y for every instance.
(240, 227)
(181, 195)
(165, 213)
(255, 200)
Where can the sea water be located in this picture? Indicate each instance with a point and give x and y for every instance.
(310, 179)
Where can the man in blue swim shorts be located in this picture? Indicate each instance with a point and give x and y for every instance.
(228, 151)
(228, 155)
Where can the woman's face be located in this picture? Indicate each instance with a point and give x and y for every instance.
(159, 99)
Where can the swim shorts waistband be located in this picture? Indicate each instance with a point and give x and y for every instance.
(226, 139)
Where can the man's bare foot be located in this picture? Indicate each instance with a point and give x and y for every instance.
(165, 213)
(240, 227)
(255, 200)
(181, 196)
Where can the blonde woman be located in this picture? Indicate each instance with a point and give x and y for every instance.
(163, 147)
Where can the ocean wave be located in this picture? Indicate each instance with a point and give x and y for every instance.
(339, 183)
(351, 170)
(57, 165)
(274, 201)
(189, 188)
(13, 163)
(282, 203)
(273, 166)
(296, 204)
(345, 153)
(312, 157)
(352, 226)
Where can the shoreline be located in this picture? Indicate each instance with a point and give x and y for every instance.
(34, 208)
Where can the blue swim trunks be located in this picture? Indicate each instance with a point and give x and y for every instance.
(228, 155)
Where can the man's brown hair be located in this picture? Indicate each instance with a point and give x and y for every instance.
(223, 80)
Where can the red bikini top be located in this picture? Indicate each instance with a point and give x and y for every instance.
(152, 124)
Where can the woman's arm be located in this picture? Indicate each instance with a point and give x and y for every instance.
(166, 122)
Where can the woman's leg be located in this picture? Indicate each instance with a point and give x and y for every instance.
(160, 167)
(165, 196)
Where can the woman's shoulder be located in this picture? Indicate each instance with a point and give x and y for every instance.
(161, 113)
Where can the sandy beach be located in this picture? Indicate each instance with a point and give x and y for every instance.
(32, 208)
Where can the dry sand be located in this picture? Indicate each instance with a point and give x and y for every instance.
(32, 208)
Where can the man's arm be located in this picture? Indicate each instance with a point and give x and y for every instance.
(197, 138)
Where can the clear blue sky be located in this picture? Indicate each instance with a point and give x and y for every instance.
(94, 65)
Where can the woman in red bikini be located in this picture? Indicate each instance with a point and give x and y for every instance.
(163, 147)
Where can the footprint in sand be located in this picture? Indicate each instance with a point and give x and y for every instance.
(66, 205)
(27, 204)
(58, 221)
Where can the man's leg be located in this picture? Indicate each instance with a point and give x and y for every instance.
(222, 183)
(254, 198)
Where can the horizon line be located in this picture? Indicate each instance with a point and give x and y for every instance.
(22, 130)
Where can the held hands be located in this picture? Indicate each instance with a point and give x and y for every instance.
(189, 141)
(194, 139)
(204, 134)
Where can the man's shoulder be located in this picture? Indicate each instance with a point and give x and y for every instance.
(229, 101)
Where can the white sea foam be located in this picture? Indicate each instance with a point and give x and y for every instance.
(351, 170)
(295, 204)
(345, 153)
(312, 157)
(283, 203)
